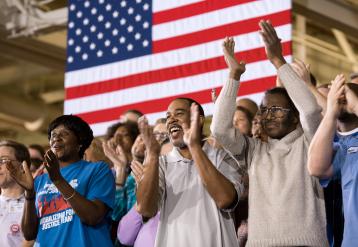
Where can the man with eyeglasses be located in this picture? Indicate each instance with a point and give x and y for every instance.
(286, 206)
(12, 197)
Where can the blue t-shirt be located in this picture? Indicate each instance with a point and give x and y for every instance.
(58, 223)
(345, 162)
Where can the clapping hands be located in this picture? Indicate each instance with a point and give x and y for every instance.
(273, 46)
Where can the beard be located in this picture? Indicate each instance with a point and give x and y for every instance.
(345, 116)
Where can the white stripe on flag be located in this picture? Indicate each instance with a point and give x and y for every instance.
(167, 59)
(160, 5)
(164, 89)
(218, 18)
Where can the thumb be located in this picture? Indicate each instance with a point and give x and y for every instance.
(308, 67)
(119, 149)
(26, 168)
(185, 127)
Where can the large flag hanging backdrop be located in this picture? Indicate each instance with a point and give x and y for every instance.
(141, 54)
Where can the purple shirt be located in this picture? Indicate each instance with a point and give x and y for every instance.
(133, 231)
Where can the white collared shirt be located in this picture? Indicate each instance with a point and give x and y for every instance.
(188, 214)
(11, 210)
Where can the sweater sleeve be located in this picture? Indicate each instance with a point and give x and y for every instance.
(222, 127)
(129, 227)
(305, 102)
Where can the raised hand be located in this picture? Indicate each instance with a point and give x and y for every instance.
(351, 90)
(336, 96)
(213, 95)
(303, 71)
(236, 69)
(52, 166)
(137, 171)
(151, 144)
(192, 133)
(115, 153)
(273, 46)
(22, 176)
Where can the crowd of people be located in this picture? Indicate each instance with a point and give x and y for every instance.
(281, 174)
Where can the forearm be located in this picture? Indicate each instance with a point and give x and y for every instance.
(29, 221)
(321, 99)
(90, 212)
(303, 99)
(148, 188)
(121, 174)
(221, 126)
(219, 187)
(320, 152)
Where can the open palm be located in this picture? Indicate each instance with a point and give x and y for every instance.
(192, 133)
(22, 176)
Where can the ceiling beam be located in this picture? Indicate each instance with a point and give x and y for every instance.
(346, 47)
(34, 51)
(24, 111)
(329, 14)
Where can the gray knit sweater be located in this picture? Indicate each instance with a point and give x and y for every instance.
(286, 204)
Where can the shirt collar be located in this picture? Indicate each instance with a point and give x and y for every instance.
(347, 133)
(5, 198)
(175, 156)
(289, 138)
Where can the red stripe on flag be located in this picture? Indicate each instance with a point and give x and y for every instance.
(159, 105)
(219, 32)
(166, 74)
(194, 9)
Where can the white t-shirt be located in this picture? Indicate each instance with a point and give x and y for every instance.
(11, 210)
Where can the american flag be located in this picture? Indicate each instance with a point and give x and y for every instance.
(141, 54)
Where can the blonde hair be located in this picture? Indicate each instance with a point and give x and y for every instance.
(96, 152)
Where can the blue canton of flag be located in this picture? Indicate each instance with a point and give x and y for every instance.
(105, 31)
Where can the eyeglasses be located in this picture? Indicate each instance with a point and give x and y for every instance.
(3, 161)
(276, 111)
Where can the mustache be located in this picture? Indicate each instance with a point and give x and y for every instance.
(264, 122)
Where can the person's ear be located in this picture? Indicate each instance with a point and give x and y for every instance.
(295, 119)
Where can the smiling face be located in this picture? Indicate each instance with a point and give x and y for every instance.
(138, 149)
(277, 127)
(122, 137)
(178, 114)
(64, 144)
(242, 122)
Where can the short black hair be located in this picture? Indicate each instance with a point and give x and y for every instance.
(283, 92)
(21, 151)
(313, 79)
(353, 75)
(353, 87)
(191, 101)
(78, 126)
(132, 128)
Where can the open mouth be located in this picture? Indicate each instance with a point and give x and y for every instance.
(271, 125)
(174, 130)
(56, 147)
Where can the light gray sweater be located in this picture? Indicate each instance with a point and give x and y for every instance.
(286, 204)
